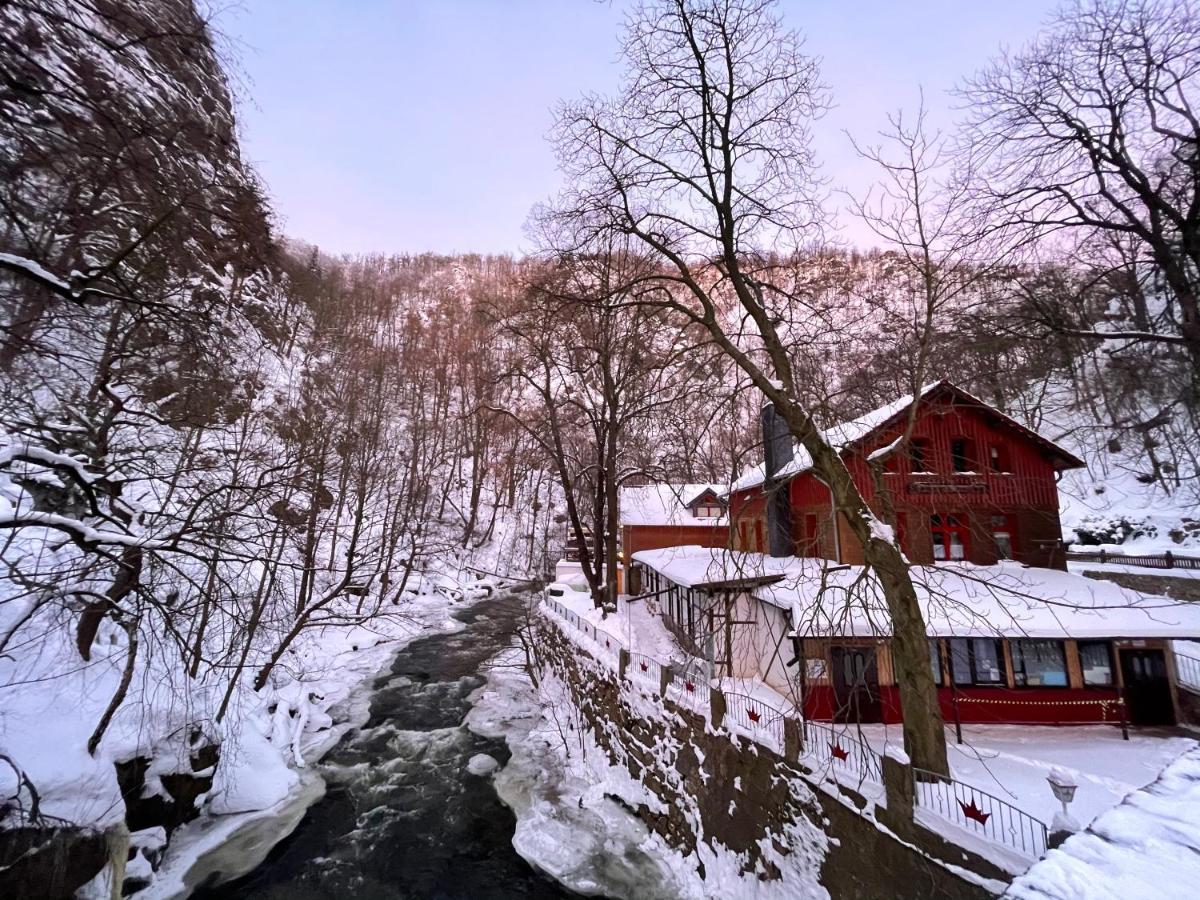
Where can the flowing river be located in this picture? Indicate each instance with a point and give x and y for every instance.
(403, 816)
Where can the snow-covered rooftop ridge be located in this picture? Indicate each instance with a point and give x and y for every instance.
(839, 435)
(664, 504)
(845, 434)
(959, 599)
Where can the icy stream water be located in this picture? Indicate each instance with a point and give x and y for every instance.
(402, 816)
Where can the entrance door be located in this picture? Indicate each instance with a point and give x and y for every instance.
(855, 684)
(1147, 690)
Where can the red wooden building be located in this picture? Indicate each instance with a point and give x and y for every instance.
(970, 484)
(672, 515)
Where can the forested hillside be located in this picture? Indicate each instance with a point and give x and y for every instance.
(229, 462)
(224, 462)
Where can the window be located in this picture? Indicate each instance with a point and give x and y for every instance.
(962, 455)
(1039, 663)
(935, 660)
(812, 537)
(1003, 536)
(949, 536)
(998, 458)
(705, 511)
(1095, 658)
(978, 661)
(919, 456)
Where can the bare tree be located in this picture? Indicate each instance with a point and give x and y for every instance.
(1092, 134)
(704, 160)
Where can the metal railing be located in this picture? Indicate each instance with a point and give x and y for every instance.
(644, 668)
(752, 717)
(690, 691)
(840, 750)
(978, 812)
(1167, 560)
(1187, 669)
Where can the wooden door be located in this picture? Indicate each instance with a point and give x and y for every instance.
(855, 684)
(1147, 688)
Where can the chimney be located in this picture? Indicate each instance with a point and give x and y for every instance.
(778, 451)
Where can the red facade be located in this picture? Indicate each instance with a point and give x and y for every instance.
(969, 484)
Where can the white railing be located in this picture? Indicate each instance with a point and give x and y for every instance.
(755, 719)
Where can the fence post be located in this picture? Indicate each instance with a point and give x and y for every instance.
(622, 663)
(664, 678)
(1103, 556)
(717, 701)
(793, 746)
(1170, 558)
(957, 718)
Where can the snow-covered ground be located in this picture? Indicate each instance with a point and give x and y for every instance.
(1147, 848)
(1012, 762)
(561, 787)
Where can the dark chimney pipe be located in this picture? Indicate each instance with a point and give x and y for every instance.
(778, 451)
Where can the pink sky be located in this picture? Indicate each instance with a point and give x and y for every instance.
(413, 125)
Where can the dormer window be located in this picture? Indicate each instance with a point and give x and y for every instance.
(705, 511)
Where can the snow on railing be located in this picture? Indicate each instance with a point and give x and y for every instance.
(645, 669)
(838, 750)
(1167, 560)
(978, 812)
(691, 691)
(755, 719)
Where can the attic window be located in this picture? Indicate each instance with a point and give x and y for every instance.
(707, 511)
(998, 458)
(962, 454)
(918, 454)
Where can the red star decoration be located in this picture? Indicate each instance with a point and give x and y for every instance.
(838, 752)
(753, 714)
(690, 687)
(974, 812)
(645, 668)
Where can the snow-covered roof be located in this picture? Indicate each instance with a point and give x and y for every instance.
(664, 504)
(957, 599)
(846, 434)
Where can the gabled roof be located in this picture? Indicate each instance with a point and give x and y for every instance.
(665, 504)
(849, 435)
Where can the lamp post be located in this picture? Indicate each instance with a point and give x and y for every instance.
(1063, 786)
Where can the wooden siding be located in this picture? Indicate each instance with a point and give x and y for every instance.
(1027, 492)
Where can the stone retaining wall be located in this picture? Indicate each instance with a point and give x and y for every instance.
(762, 805)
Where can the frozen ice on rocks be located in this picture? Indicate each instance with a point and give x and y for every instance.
(482, 764)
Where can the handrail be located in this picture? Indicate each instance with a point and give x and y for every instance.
(974, 810)
(1187, 668)
(841, 750)
(978, 812)
(753, 716)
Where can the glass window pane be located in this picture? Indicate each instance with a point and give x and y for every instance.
(935, 660)
(956, 545)
(960, 661)
(1096, 662)
(989, 667)
(1039, 663)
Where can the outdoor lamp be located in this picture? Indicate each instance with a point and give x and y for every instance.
(1063, 787)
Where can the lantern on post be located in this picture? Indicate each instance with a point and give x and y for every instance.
(1063, 786)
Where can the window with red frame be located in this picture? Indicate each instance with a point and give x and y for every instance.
(950, 536)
